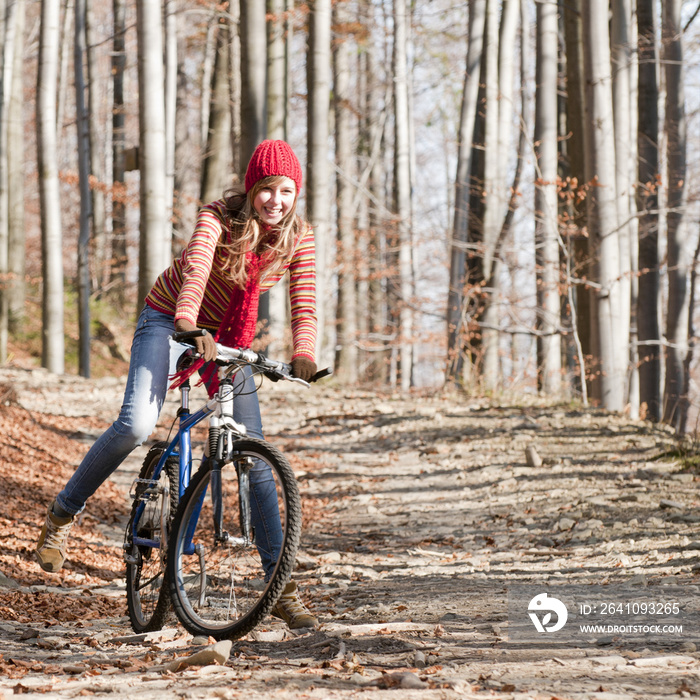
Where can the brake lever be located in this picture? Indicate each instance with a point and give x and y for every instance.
(319, 375)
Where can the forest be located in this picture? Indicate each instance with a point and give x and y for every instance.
(503, 192)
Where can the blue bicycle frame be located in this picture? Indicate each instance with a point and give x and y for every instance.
(181, 447)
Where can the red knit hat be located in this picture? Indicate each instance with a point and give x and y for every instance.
(273, 158)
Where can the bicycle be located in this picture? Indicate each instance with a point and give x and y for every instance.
(201, 554)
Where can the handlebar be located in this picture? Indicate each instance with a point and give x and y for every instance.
(225, 356)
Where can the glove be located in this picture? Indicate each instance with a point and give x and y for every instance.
(205, 344)
(303, 368)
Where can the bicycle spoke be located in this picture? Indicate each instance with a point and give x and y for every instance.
(231, 579)
(148, 596)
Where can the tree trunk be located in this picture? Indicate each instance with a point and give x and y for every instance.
(621, 54)
(276, 70)
(235, 87)
(633, 392)
(675, 129)
(8, 50)
(288, 72)
(15, 189)
(171, 77)
(49, 195)
(402, 193)
(648, 176)
(346, 315)
(188, 153)
(97, 143)
(507, 34)
(546, 204)
(253, 67)
(83, 139)
(152, 226)
(692, 342)
(317, 168)
(208, 60)
(277, 109)
(119, 249)
(253, 34)
(582, 267)
(602, 208)
(491, 212)
(217, 155)
(65, 44)
(372, 129)
(455, 300)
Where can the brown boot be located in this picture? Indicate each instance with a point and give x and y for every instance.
(51, 547)
(291, 609)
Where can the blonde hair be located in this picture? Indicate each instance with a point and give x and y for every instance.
(274, 246)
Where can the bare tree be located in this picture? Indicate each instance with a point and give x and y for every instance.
(207, 72)
(171, 74)
(254, 60)
(621, 55)
(9, 27)
(346, 316)
(276, 69)
(580, 254)
(216, 162)
(277, 299)
(402, 194)
(372, 193)
(83, 138)
(491, 211)
(458, 268)
(65, 44)
(152, 225)
(601, 202)
(50, 201)
(235, 87)
(288, 52)
(678, 255)
(97, 140)
(507, 44)
(318, 80)
(546, 205)
(15, 184)
(253, 35)
(119, 250)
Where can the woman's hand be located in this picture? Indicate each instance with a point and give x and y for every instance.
(205, 344)
(303, 367)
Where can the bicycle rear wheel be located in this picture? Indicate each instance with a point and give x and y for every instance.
(217, 584)
(147, 592)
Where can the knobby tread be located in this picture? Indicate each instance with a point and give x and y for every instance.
(163, 606)
(285, 564)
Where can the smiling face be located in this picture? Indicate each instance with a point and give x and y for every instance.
(274, 199)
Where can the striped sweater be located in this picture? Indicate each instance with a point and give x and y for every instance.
(196, 288)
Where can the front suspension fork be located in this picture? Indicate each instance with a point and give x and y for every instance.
(220, 450)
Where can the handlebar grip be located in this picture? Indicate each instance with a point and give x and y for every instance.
(179, 336)
(321, 374)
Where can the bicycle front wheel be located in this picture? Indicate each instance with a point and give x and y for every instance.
(234, 541)
(156, 498)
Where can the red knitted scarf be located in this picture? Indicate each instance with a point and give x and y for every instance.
(237, 328)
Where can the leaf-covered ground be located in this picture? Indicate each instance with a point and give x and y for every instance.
(420, 512)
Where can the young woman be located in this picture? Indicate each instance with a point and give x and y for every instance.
(242, 244)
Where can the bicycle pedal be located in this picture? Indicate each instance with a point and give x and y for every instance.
(145, 489)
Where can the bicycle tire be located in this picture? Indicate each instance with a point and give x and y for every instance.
(147, 591)
(232, 597)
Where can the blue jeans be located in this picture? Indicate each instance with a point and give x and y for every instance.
(153, 358)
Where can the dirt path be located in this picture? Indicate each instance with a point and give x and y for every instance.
(422, 515)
